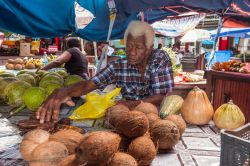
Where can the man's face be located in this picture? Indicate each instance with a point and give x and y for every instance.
(136, 49)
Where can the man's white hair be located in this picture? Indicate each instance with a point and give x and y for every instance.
(139, 28)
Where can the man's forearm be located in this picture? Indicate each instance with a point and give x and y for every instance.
(80, 88)
(51, 65)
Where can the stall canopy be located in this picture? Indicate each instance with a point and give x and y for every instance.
(173, 27)
(233, 32)
(196, 35)
(43, 18)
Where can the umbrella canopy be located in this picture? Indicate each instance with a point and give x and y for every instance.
(233, 32)
(195, 35)
(173, 27)
(53, 18)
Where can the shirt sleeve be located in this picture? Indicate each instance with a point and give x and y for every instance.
(162, 75)
(104, 77)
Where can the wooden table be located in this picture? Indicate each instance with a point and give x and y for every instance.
(182, 89)
(225, 86)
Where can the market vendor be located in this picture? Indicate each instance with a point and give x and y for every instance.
(145, 75)
(75, 61)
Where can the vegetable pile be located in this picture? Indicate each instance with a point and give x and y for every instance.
(30, 89)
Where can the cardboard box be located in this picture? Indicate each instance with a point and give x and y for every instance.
(25, 49)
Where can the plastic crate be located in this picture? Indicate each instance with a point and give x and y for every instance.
(235, 147)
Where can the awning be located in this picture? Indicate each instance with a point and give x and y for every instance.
(173, 27)
(53, 18)
(233, 32)
(195, 35)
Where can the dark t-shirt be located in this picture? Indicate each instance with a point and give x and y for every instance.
(78, 63)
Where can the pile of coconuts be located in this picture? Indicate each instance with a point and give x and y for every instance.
(134, 140)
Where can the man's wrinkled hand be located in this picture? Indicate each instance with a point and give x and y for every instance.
(50, 109)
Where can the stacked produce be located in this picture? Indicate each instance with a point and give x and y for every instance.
(232, 66)
(135, 136)
(27, 63)
(15, 64)
(30, 89)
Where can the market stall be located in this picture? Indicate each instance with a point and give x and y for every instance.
(146, 136)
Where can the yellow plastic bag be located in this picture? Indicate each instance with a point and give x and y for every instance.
(95, 106)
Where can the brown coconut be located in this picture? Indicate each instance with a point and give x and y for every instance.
(48, 153)
(31, 140)
(97, 148)
(68, 161)
(133, 124)
(143, 150)
(123, 147)
(122, 159)
(146, 108)
(179, 121)
(165, 134)
(152, 118)
(113, 112)
(70, 138)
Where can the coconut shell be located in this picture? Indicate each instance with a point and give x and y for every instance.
(122, 159)
(147, 134)
(31, 140)
(179, 121)
(134, 124)
(146, 108)
(113, 113)
(123, 147)
(38, 136)
(26, 148)
(165, 134)
(97, 148)
(152, 118)
(143, 150)
(68, 161)
(70, 138)
(49, 153)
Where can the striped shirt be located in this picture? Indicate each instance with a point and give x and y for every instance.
(157, 79)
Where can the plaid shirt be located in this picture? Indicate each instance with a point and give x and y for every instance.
(158, 78)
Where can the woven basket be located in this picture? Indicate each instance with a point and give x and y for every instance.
(235, 147)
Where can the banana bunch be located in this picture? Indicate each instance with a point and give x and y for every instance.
(52, 57)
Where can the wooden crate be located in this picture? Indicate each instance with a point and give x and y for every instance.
(223, 86)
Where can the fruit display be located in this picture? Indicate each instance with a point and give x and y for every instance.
(15, 64)
(25, 63)
(29, 89)
(229, 116)
(14, 92)
(196, 108)
(174, 58)
(232, 66)
(72, 79)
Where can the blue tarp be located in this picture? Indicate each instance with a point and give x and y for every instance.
(41, 18)
(233, 32)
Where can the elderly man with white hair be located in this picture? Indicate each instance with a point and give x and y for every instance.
(145, 75)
